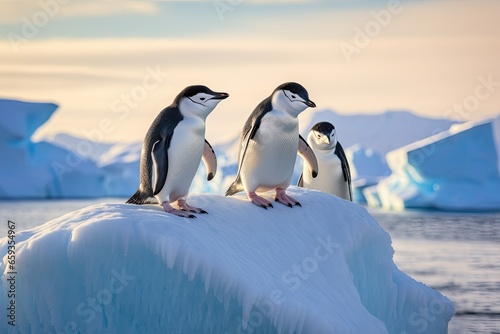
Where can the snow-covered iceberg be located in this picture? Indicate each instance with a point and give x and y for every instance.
(60, 166)
(116, 268)
(458, 169)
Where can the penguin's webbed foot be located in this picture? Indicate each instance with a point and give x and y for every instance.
(283, 198)
(259, 201)
(186, 207)
(169, 209)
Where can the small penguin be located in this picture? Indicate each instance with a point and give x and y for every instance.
(172, 149)
(335, 176)
(268, 146)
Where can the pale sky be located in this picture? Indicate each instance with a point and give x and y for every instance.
(124, 61)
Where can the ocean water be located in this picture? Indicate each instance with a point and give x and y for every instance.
(457, 254)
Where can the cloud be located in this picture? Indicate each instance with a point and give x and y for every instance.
(13, 12)
(108, 8)
(427, 75)
(424, 67)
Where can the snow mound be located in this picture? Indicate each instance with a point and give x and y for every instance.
(324, 268)
(455, 170)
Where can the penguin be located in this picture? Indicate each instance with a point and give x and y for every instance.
(269, 144)
(172, 149)
(335, 177)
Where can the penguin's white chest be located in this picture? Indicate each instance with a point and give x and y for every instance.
(271, 154)
(184, 155)
(330, 177)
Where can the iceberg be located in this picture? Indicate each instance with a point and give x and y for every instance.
(117, 268)
(60, 166)
(382, 133)
(368, 137)
(65, 166)
(35, 170)
(367, 169)
(457, 170)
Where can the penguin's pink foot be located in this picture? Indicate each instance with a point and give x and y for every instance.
(259, 201)
(169, 209)
(283, 198)
(186, 207)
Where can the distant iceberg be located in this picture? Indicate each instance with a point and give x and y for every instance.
(116, 268)
(61, 166)
(458, 169)
(381, 132)
(367, 169)
(30, 170)
(65, 166)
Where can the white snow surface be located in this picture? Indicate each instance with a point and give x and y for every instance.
(116, 268)
(458, 169)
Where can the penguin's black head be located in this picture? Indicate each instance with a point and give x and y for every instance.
(325, 128)
(324, 136)
(201, 94)
(295, 92)
(198, 100)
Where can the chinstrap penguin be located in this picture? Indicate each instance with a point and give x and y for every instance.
(269, 144)
(335, 176)
(172, 149)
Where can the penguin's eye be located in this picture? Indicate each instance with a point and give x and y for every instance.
(294, 97)
(202, 98)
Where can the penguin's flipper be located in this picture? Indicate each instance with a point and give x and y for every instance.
(306, 153)
(249, 131)
(159, 154)
(339, 152)
(210, 160)
(301, 181)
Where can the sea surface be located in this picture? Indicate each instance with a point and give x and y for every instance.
(457, 254)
